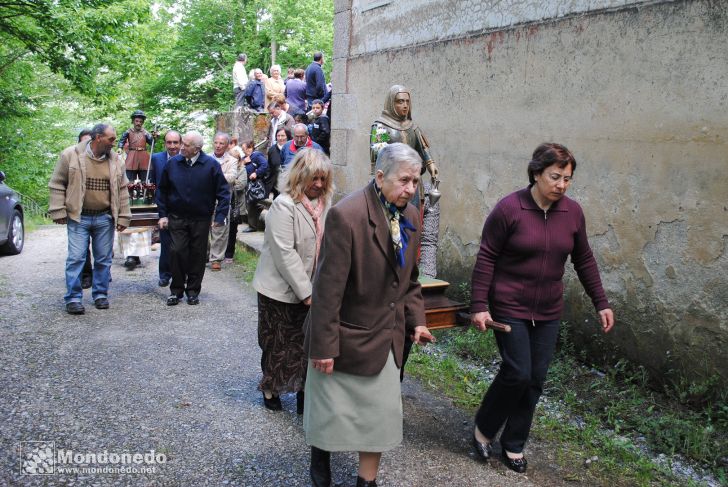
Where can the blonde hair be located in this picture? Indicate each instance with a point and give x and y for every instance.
(300, 173)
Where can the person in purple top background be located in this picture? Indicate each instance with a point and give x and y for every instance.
(518, 280)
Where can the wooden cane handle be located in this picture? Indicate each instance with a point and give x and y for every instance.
(498, 326)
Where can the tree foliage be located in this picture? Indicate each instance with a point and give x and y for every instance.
(67, 64)
(75, 38)
(196, 70)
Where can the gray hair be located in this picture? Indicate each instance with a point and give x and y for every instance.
(98, 130)
(195, 138)
(394, 155)
(242, 57)
(300, 126)
(222, 134)
(275, 66)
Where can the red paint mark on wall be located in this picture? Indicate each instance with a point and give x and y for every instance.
(493, 39)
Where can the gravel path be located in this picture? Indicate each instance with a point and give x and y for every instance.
(180, 381)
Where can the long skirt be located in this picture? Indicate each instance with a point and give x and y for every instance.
(346, 412)
(280, 336)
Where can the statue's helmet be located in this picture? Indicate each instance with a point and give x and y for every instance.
(138, 114)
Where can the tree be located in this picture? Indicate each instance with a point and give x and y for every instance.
(196, 71)
(75, 38)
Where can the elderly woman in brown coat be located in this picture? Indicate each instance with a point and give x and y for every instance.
(366, 298)
(293, 232)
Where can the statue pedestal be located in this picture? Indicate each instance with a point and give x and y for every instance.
(440, 311)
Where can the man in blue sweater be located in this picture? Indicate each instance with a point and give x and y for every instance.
(191, 189)
(315, 81)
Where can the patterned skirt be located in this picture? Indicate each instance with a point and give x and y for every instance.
(280, 336)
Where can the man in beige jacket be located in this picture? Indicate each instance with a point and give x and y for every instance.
(229, 165)
(88, 193)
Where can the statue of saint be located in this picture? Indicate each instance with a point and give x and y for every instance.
(395, 125)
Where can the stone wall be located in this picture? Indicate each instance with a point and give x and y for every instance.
(637, 90)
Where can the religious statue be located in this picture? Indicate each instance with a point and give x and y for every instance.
(395, 125)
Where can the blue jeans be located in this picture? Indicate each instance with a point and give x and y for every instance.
(100, 230)
(512, 397)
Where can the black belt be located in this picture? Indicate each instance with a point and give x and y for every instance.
(87, 212)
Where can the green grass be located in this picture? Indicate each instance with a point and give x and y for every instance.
(32, 222)
(246, 261)
(617, 411)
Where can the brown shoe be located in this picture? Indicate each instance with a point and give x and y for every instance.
(215, 266)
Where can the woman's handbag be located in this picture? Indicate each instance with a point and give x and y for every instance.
(255, 191)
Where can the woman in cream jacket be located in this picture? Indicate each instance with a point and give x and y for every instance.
(293, 231)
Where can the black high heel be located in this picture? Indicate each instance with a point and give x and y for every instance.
(360, 482)
(299, 402)
(274, 403)
(483, 450)
(516, 464)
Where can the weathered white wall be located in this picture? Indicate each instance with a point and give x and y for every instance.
(638, 91)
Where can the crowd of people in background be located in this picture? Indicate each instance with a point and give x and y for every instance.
(302, 97)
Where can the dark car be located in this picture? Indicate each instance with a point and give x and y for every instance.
(12, 230)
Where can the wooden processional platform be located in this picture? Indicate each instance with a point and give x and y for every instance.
(441, 311)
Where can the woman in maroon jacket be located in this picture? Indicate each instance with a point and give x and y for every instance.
(517, 280)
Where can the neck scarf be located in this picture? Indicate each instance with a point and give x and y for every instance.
(316, 217)
(397, 226)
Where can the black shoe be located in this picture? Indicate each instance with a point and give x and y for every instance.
(75, 308)
(274, 403)
(516, 464)
(86, 282)
(360, 482)
(131, 263)
(101, 303)
(249, 230)
(172, 300)
(299, 402)
(320, 467)
(193, 300)
(163, 282)
(482, 450)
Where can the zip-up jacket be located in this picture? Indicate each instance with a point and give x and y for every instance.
(520, 266)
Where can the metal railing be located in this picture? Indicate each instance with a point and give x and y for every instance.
(30, 206)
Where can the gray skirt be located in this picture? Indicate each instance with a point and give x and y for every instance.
(346, 412)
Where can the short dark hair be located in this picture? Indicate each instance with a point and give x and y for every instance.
(98, 130)
(83, 133)
(288, 132)
(548, 154)
(298, 73)
(318, 56)
(248, 143)
(317, 102)
(300, 118)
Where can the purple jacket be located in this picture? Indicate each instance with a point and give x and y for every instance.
(296, 93)
(520, 265)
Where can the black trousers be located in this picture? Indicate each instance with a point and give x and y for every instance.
(165, 242)
(187, 254)
(512, 397)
